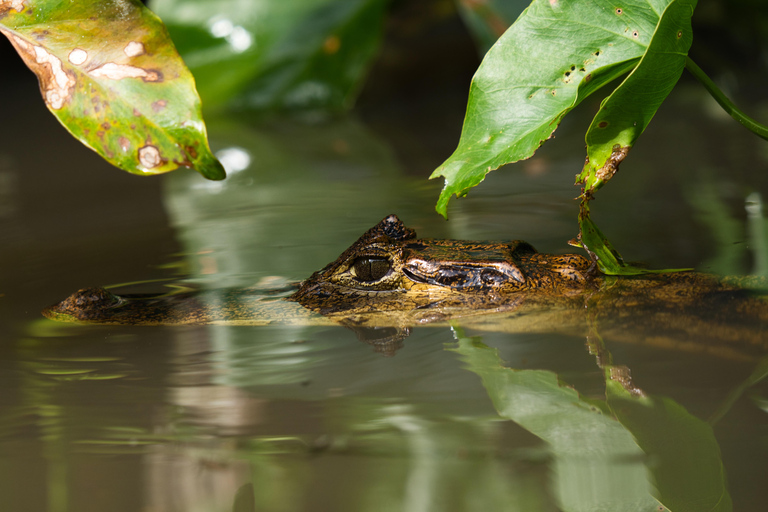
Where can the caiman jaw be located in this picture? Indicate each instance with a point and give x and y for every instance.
(461, 276)
(464, 266)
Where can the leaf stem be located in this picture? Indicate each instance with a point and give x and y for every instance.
(750, 124)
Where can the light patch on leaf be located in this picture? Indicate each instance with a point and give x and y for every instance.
(114, 71)
(55, 83)
(134, 49)
(197, 125)
(149, 156)
(78, 56)
(11, 5)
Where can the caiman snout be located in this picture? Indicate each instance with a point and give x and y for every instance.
(86, 304)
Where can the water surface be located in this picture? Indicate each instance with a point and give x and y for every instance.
(310, 418)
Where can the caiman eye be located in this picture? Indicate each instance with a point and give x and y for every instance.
(370, 268)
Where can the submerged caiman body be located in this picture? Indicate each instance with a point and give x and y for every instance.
(389, 281)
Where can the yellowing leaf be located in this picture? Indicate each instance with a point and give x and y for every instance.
(111, 75)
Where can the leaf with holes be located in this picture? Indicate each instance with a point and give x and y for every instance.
(624, 115)
(111, 75)
(556, 54)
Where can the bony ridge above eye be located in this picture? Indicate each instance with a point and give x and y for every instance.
(370, 268)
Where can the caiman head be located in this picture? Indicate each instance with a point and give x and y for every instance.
(389, 269)
(386, 282)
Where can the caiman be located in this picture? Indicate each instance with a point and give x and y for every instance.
(389, 281)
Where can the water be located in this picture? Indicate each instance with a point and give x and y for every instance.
(209, 418)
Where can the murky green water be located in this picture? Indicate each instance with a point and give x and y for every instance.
(206, 419)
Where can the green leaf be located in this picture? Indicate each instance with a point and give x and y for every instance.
(624, 115)
(556, 54)
(262, 54)
(682, 450)
(111, 75)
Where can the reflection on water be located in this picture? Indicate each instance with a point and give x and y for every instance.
(180, 419)
(289, 418)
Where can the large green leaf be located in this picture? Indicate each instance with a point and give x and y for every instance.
(111, 75)
(555, 55)
(265, 54)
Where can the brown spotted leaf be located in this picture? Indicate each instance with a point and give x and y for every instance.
(624, 115)
(111, 75)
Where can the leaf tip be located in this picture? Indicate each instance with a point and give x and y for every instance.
(442, 204)
(213, 170)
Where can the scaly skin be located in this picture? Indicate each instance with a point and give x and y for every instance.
(425, 273)
(389, 281)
